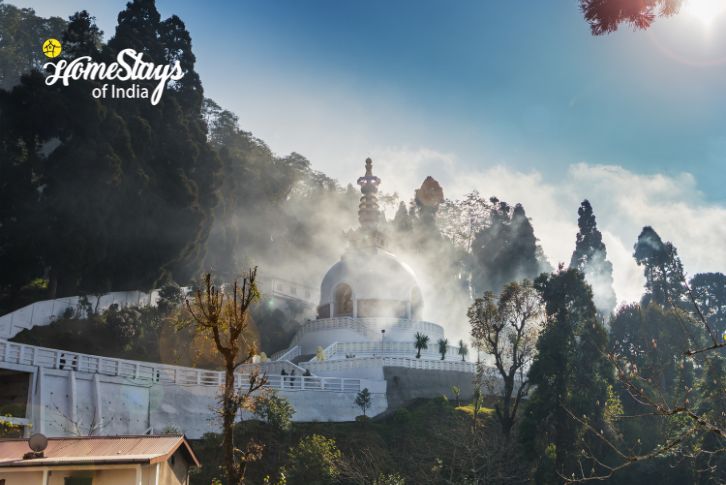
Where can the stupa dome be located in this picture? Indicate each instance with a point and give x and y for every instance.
(370, 282)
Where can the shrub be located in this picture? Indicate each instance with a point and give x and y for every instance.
(274, 410)
(315, 460)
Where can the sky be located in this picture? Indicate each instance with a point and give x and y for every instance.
(524, 104)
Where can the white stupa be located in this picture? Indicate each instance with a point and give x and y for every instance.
(364, 336)
(370, 311)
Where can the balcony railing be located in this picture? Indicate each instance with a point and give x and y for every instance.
(408, 362)
(369, 328)
(30, 355)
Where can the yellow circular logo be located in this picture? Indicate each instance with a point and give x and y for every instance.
(52, 48)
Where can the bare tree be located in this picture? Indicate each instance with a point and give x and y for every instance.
(223, 316)
(690, 424)
(507, 328)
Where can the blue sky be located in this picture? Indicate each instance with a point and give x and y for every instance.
(490, 81)
(521, 102)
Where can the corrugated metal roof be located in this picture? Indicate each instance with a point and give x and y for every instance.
(96, 449)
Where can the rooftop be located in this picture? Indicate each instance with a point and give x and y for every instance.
(94, 450)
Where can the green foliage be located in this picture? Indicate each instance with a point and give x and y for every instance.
(274, 410)
(463, 350)
(590, 257)
(315, 460)
(137, 333)
(711, 465)
(505, 249)
(652, 340)
(391, 445)
(421, 343)
(663, 270)
(443, 347)
(389, 479)
(456, 391)
(22, 30)
(9, 429)
(570, 375)
(709, 292)
(114, 194)
(506, 329)
(363, 400)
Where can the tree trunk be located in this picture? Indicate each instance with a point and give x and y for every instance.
(228, 415)
(505, 417)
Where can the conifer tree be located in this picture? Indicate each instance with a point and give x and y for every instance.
(709, 292)
(664, 279)
(590, 257)
(571, 375)
(506, 249)
(711, 464)
(402, 220)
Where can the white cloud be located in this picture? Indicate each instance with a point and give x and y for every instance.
(624, 202)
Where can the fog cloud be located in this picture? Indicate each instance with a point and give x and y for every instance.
(624, 201)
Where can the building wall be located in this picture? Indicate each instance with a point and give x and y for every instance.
(404, 385)
(67, 403)
(310, 341)
(22, 478)
(175, 471)
(116, 476)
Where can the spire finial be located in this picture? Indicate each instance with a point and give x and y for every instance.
(368, 214)
(369, 167)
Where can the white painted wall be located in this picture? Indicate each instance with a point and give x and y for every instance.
(67, 403)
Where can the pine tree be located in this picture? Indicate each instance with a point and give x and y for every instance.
(571, 375)
(402, 220)
(711, 464)
(709, 291)
(590, 257)
(82, 37)
(664, 279)
(506, 249)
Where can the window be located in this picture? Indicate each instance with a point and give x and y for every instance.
(78, 481)
(343, 300)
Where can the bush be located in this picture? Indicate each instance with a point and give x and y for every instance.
(389, 479)
(315, 460)
(274, 410)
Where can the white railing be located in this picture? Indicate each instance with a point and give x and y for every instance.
(287, 354)
(370, 328)
(46, 311)
(341, 350)
(411, 363)
(348, 323)
(30, 355)
(313, 383)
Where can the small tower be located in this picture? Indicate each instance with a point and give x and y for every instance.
(368, 211)
(368, 214)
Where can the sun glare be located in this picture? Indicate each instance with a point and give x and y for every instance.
(705, 10)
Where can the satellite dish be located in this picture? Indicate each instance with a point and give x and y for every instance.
(38, 442)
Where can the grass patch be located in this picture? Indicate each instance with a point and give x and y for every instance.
(469, 409)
